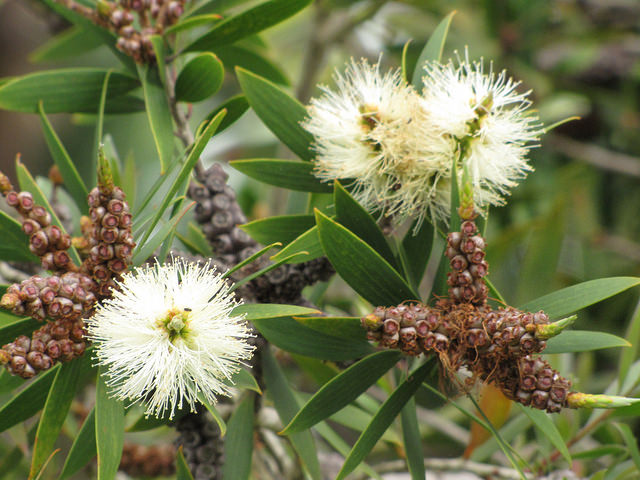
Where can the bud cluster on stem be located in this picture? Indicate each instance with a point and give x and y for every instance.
(67, 297)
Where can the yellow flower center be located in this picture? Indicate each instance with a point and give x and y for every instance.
(176, 323)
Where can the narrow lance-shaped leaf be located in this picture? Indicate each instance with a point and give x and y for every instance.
(543, 423)
(343, 389)
(280, 112)
(285, 228)
(70, 175)
(341, 327)
(15, 246)
(28, 402)
(185, 171)
(238, 444)
(74, 90)
(576, 297)
(233, 56)
(109, 431)
(182, 468)
(412, 441)
(383, 418)
(289, 335)
(158, 113)
(432, 50)
(83, 448)
(361, 266)
(55, 411)
(352, 215)
(97, 144)
(308, 242)
(69, 43)
(283, 173)
(247, 23)
(286, 405)
(571, 341)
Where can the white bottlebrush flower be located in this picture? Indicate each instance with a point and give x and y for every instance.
(491, 122)
(168, 335)
(365, 134)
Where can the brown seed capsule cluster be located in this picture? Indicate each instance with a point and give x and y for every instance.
(530, 381)
(67, 297)
(47, 241)
(202, 445)
(148, 461)
(58, 341)
(110, 241)
(465, 250)
(495, 345)
(218, 214)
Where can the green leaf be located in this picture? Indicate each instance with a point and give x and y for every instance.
(287, 334)
(74, 90)
(192, 22)
(249, 260)
(98, 144)
(182, 469)
(571, 341)
(9, 382)
(361, 266)
(233, 56)
(28, 402)
(577, 297)
(28, 183)
(383, 418)
(199, 79)
(109, 430)
(72, 181)
(247, 23)
(432, 50)
(286, 405)
(107, 37)
(158, 113)
(69, 43)
(55, 410)
(628, 355)
(145, 251)
(17, 326)
(416, 248)
(183, 176)
(412, 440)
(83, 448)
(284, 229)
(631, 442)
(214, 413)
(238, 444)
(261, 311)
(235, 107)
(15, 244)
(543, 423)
(341, 327)
(355, 218)
(243, 380)
(197, 239)
(289, 174)
(342, 389)
(308, 242)
(280, 112)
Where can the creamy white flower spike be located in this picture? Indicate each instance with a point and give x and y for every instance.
(492, 124)
(168, 335)
(365, 134)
